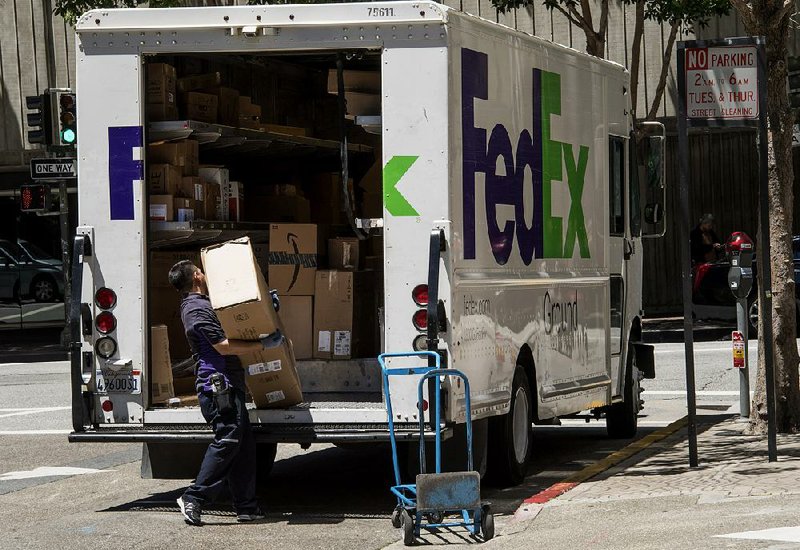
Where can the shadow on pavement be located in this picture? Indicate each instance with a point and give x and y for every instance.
(31, 345)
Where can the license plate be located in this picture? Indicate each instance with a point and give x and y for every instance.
(109, 381)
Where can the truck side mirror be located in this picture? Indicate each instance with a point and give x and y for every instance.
(652, 179)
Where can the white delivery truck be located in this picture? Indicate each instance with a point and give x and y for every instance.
(509, 230)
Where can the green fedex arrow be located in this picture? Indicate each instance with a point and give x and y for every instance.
(396, 204)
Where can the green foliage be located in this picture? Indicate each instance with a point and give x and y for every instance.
(668, 11)
(71, 10)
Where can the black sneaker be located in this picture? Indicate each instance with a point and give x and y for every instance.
(190, 511)
(255, 515)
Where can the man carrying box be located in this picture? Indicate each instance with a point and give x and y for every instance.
(221, 393)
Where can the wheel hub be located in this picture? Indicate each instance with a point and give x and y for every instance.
(520, 426)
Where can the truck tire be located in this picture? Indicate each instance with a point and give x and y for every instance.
(622, 418)
(510, 435)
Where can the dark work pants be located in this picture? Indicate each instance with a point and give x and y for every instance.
(231, 457)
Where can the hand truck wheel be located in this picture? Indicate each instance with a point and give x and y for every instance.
(487, 523)
(396, 513)
(408, 527)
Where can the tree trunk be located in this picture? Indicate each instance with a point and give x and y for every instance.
(662, 78)
(636, 54)
(770, 18)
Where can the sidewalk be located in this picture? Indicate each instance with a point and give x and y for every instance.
(654, 500)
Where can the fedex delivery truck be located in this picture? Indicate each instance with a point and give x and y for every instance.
(495, 182)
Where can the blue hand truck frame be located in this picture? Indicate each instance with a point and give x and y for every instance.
(452, 492)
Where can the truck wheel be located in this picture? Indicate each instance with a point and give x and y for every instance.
(265, 460)
(622, 418)
(510, 435)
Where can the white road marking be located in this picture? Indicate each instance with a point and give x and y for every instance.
(23, 412)
(782, 534)
(34, 432)
(707, 393)
(48, 471)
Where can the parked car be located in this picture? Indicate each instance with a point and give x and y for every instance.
(27, 272)
(713, 300)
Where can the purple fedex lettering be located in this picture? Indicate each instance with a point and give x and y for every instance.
(123, 170)
(500, 189)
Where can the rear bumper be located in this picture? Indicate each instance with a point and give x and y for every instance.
(275, 434)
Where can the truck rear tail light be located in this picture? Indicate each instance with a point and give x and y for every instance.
(420, 319)
(105, 298)
(107, 405)
(420, 343)
(105, 347)
(105, 322)
(420, 295)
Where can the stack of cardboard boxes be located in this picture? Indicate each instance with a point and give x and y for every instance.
(176, 190)
(241, 298)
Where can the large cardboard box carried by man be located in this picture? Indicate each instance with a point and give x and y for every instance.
(241, 299)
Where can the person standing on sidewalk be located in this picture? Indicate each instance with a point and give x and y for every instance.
(220, 388)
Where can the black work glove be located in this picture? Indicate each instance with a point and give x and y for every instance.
(276, 302)
(272, 340)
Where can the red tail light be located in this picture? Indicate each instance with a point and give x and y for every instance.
(420, 319)
(107, 406)
(105, 322)
(105, 298)
(420, 295)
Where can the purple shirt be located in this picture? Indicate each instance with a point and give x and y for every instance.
(203, 331)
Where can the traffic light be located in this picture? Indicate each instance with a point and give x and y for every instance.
(39, 119)
(67, 133)
(34, 198)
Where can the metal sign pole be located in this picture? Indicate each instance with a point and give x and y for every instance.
(765, 293)
(686, 268)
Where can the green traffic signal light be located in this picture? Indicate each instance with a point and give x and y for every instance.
(68, 136)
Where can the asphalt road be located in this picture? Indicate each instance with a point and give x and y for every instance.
(57, 494)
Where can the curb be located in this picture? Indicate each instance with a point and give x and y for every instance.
(532, 505)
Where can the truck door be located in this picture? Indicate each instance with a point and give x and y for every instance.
(620, 251)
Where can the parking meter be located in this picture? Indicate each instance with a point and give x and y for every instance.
(740, 250)
(740, 275)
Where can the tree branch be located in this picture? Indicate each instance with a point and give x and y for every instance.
(745, 11)
(586, 11)
(662, 79)
(603, 19)
(572, 16)
(636, 54)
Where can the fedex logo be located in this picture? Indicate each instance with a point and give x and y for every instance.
(534, 149)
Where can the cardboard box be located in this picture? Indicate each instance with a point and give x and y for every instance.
(227, 105)
(184, 209)
(233, 194)
(184, 153)
(193, 187)
(161, 389)
(199, 81)
(160, 85)
(343, 253)
(185, 385)
(359, 81)
(164, 308)
(217, 176)
(285, 209)
(162, 261)
(282, 190)
(361, 104)
(247, 108)
(272, 378)
(161, 208)
(238, 291)
(211, 201)
(199, 106)
(372, 181)
(344, 315)
(293, 258)
(164, 179)
(157, 112)
(297, 314)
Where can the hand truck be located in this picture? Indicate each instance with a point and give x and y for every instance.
(426, 503)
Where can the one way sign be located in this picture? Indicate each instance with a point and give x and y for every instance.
(53, 169)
